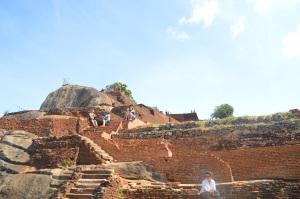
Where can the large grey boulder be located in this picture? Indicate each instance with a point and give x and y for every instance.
(14, 157)
(23, 186)
(72, 96)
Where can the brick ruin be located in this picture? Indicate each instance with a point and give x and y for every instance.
(248, 161)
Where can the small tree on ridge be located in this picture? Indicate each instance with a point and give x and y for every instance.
(118, 86)
(223, 111)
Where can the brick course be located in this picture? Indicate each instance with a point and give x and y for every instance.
(234, 153)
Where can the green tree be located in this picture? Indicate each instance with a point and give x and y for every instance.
(222, 111)
(118, 86)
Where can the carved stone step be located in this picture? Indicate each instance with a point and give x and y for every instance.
(61, 177)
(82, 190)
(98, 171)
(88, 181)
(87, 185)
(96, 176)
(79, 196)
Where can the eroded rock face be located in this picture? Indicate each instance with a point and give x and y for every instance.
(137, 171)
(25, 115)
(34, 186)
(69, 96)
(18, 178)
(14, 157)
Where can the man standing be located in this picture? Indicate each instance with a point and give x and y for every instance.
(208, 188)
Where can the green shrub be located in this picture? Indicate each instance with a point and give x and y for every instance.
(67, 162)
(118, 86)
(121, 194)
(223, 111)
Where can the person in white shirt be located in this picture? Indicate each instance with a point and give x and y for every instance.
(208, 188)
(107, 119)
(92, 117)
(131, 114)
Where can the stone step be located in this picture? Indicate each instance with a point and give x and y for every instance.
(79, 196)
(87, 185)
(96, 176)
(61, 177)
(98, 171)
(67, 172)
(56, 183)
(92, 181)
(82, 190)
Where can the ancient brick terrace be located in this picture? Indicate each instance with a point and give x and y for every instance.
(249, 160)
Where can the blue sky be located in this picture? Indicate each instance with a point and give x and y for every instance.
(178, 55)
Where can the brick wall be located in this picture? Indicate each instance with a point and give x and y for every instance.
(281, 162)
(35, 126)
(113, 191)
(243, 190)
(68, 126)
(53, 158)
(47, 126)
(62, 151)
(251, 158)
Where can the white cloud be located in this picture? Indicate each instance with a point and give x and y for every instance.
(238, 28)
(291, 44)
(203, 11)
(177, 35)
(263, 6)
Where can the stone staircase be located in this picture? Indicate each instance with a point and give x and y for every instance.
(60, 178)
(91, 184)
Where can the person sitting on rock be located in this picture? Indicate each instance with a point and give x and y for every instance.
(208, 188)
(92, 117)
(100, 120)
(107, 119)
(131, 113)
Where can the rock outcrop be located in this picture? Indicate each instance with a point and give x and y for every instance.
(25, 115)
(14, 157)
(69, 96)
(34, 186)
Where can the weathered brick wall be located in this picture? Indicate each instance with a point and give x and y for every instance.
(47, 126)
(185, 165)
(233, 153)
(281, 162)
(113, 191)
(246, 190)
(35, 126)
(53, 158)
(226, 138)
(61, 151)
(68, 126)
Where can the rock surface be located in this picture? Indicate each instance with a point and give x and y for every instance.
(137, 171)
(13, 151)
(23, 186)
(25, 115)
(18, 178)
(69, 96)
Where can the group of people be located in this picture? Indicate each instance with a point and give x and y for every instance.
(131, 114)
(99, 120)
